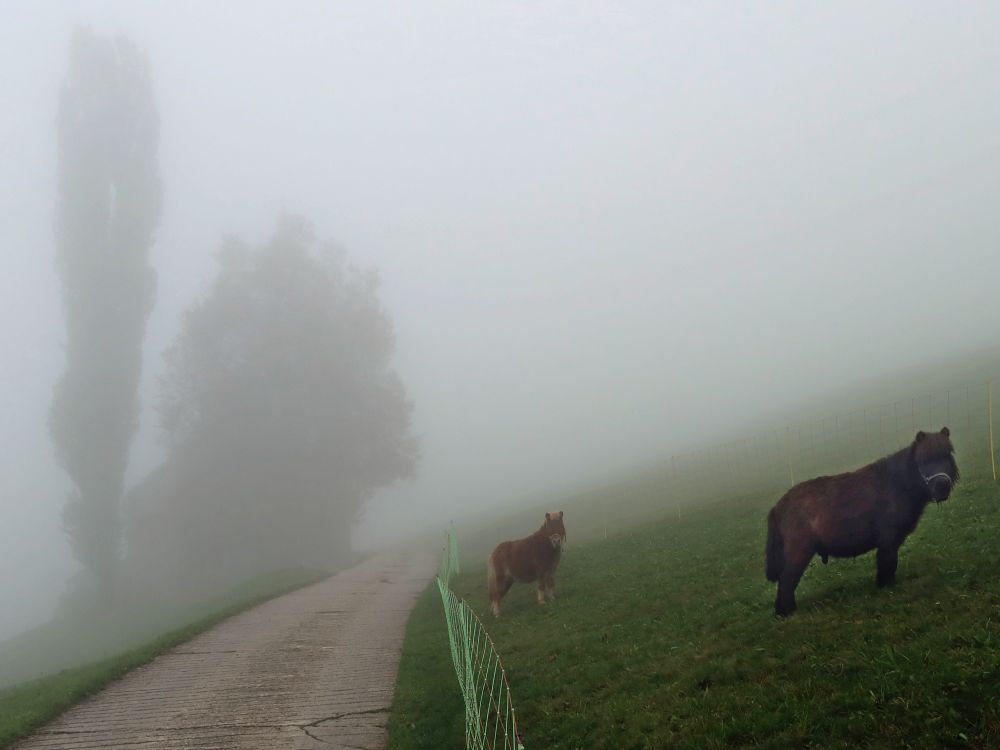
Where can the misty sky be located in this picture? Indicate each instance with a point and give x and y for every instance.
(604, 229)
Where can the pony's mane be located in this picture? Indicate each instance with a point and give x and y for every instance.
(897, 466)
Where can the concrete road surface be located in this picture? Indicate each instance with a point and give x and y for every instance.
(312, 669)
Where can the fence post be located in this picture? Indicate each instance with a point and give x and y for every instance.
(812, 447)
(677, 502)
(989, 416)
(788, 452)
(968, 413)
(868, 442)
(836, 437)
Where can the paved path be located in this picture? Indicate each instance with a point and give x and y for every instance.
(313, 669)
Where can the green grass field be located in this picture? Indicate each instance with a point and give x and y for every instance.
(27, 706)
(663, 634)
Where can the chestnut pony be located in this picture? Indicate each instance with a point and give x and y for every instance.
(875, 507)
(533, 558)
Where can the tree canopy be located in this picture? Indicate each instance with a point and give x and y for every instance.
(280, 408)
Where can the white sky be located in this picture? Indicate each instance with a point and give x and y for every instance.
(604, 229)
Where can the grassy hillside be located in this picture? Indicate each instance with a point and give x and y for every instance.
(663, 634)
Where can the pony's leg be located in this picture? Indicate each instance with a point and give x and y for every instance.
(493, 585)
(797, 559)
(541, 589)
(784, 604)
(546, 583)
(503, 586)
(886, 560)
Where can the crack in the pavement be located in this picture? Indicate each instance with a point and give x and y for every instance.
(318, 739)
(337, 717)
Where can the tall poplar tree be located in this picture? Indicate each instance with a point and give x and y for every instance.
(109, 199)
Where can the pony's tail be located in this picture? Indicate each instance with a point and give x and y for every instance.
(775, 551)
(491, 577)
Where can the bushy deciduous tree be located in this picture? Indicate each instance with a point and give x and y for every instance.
(280, 408)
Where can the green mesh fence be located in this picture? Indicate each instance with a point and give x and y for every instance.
(489, 711)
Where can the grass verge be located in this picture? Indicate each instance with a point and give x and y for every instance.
(27, 706)
(427, 706)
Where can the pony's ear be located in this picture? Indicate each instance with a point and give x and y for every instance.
(547, 517)
(560, 512)
(946, 432)
(920, 436)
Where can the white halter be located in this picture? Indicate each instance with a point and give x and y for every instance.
(927, 480)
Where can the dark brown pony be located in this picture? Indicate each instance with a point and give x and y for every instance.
(533, 558)
(875, 507)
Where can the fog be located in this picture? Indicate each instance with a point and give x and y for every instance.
(603, 231)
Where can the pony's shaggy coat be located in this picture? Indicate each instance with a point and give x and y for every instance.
(875, 507)
(533, 558)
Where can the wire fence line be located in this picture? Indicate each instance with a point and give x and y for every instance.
(490, 723)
